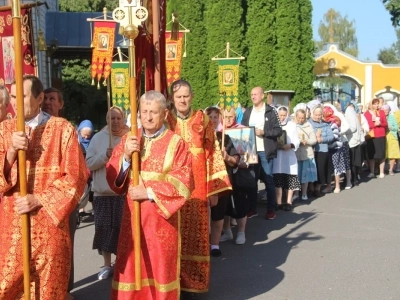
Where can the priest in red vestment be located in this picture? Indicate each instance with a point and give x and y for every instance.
(166, 182)
(210, 177)
(56, 178)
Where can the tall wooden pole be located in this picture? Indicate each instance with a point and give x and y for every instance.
(26, 253)
(131, 32)
(108, 96)
(156, 43)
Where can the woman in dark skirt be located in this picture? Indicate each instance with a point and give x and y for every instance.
(107, 205)
(324, 135)
(376, 138)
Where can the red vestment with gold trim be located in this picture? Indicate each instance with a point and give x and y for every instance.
(210, 178)
(56, 175)
(166, 171)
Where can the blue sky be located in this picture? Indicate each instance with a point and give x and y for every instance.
(373, 26)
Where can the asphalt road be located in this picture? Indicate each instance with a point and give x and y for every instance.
(340, 246)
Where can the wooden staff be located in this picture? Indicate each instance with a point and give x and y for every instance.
(108, 83)
(26, 253)
(155, 6)
(131, 32)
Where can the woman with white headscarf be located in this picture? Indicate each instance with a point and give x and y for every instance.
(285, 167)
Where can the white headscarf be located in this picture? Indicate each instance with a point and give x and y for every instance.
(302, 106)
(287, 116)
(393, 106)
(313, 104)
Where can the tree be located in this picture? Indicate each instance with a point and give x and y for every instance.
(391, 55)
(261, 40)
(219, 32)
(82, 100)
(335, 28)
(294, 49)
(393, 6)
(195, 65)
(304, 89)
(88, 5)
(288, 45)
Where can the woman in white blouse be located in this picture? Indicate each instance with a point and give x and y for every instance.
(285, 167)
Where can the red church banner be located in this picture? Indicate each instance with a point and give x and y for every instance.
(173, 57)
(103, 42)
(7, 63)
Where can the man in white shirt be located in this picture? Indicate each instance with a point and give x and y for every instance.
(267, 126)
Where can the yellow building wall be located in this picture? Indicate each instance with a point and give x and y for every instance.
(373, 76)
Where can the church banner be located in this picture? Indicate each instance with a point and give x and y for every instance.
(120, 85)
(173, 57)
(228, 77)
(103, 43)
(7, 66)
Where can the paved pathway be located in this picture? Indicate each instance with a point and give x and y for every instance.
(340, 246)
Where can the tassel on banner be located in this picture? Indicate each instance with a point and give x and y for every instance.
(98, 85)
(93, 81)
(105, 82)
(175, 27)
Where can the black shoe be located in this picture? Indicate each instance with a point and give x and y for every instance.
(288, 207)
(188, 296)
(216, 252)
(279, 207)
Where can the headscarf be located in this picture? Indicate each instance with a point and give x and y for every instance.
(327, 113)
(284, 122)
(82, 141)
(344, 103)
(302, 106)
(393, 106)
(125, 127)
(386, 106)
(239, 114)
(313, 104)
(355, 104)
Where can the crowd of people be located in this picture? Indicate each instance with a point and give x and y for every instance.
(189, 170)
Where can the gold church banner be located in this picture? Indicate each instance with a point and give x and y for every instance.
(103, 43)
(173, 57)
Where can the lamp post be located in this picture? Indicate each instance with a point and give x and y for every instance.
(130, 14)
(332, 71)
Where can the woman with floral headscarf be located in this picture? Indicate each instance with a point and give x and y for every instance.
(285, 167)
(338, 150)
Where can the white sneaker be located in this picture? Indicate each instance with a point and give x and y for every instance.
(381, 176)
(371, 175)
(104, 273)
(295, 197)
(304, 198)
(226, 236)
(240, 239)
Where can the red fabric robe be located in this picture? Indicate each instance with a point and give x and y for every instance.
(56, 175)
(211, 178)
(166, 170)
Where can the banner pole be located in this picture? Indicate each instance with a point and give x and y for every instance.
(19, 83)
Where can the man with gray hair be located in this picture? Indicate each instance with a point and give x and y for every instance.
(5, 101)
(165, 183)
